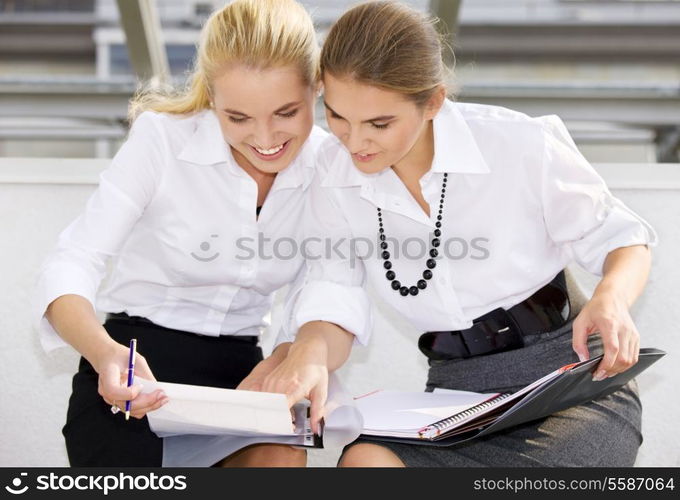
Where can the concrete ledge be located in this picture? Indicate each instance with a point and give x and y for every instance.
(86, 171)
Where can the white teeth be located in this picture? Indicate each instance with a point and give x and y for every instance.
(271, 151)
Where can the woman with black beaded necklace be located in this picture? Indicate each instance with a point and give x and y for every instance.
(512, 187)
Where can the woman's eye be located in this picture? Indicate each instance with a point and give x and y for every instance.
(380, 125)
(289, 114)
(335, 115)
(233, 119)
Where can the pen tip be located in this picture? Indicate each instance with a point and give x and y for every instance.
(127, 415)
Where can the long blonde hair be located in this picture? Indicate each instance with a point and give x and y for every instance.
(257, 33)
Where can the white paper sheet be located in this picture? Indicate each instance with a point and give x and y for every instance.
(397, 412)
(202, 425)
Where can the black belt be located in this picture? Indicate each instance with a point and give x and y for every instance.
(500, 329)
(140, 320)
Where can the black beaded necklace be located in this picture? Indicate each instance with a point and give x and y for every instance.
(431, 263)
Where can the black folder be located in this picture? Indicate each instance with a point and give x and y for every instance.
(572, 385)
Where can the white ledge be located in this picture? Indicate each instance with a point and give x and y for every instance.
(86, 171)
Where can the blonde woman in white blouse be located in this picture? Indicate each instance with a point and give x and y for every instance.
(183, 216)
(462, 217)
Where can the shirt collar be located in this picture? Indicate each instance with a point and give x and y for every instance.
(207, 146)
(455, 147)
(301, 170)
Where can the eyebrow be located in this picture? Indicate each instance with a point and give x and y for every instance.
(279, 110)
(382, 118)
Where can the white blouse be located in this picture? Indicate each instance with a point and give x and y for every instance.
(521, 203)
(174, 217)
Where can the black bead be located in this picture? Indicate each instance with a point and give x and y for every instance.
(439, 217)
(434, 253)
(437, 232)
(413, 290)
(440, 210)
(396, 285)
(435, 242)
(422, 284)
(438, 224)
(403, 291)
(385, 255)
(383, 245)
(382, 237)
(387, 264)
(427, 274)
(390, 275)
(431, 264)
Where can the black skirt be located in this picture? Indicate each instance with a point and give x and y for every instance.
(96, 437)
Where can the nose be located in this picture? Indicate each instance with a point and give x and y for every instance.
(355, 141)
(264, 136)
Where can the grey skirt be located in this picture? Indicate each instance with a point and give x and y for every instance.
(602, 433)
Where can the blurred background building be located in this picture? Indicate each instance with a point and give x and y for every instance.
(609, 68)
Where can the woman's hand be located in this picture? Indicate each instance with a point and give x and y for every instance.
(303, 374)
(255, 379)
(607, 313)
(112, 366)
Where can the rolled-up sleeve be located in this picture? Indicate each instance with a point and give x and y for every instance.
(332, 287)
(579, 210)
(79, 262)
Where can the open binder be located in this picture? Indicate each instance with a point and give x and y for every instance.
(570, 385)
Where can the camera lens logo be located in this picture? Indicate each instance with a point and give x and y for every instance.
(16, 485)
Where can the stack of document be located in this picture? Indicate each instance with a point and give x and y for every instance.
(202, 425)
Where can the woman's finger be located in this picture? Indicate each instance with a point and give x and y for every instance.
(609, 331)
(141, 401)
(142, 368)
(624, 358)
(579, 340)
(318, 397)
(141, 409)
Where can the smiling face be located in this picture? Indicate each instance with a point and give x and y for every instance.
(265, 115)
(380, 128)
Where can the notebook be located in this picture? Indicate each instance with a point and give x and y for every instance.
(445, 418)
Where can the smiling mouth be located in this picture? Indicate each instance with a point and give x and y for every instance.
(364, 157)
(271, 153)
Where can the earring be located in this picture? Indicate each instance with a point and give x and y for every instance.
(212, 104)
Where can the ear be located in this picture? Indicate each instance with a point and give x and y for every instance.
(435, 102)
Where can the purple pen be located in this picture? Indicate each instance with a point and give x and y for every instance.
(131, 373)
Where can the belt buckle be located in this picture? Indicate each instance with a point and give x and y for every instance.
(494, 332)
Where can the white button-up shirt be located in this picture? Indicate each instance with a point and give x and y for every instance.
(521, 203)
(174, 217)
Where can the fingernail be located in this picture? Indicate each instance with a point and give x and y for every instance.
(581, 357)
(599, 376)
